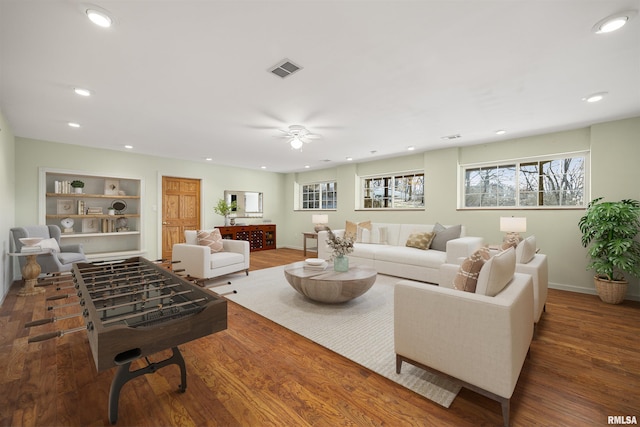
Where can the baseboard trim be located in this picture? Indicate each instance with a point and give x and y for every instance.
(581, 290)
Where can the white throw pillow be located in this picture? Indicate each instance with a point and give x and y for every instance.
(377, 235)
(50, 244)
(526, 250)
(496, 273)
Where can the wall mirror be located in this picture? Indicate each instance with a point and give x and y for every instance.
(249, 203)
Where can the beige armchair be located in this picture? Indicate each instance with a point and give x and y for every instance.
(477, 340)
(198, 261)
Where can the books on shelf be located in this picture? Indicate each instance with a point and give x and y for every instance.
(94, 211)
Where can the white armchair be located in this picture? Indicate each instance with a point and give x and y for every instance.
(527, 262)
(479, 341)
(198, 261)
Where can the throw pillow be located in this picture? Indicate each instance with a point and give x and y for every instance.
(420, 240)
(467, 277)
(510, 242)
(497, 273)
(49, 244)
(526, 250)
(380, 235)
(443, 235)
(212, 239)
(351, 229)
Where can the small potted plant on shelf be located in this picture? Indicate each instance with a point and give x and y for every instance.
(223, 208)
(610, 228)
(77, 185)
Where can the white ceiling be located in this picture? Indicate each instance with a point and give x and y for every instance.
(189, 79)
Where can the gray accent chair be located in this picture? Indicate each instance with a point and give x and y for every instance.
(55, 262)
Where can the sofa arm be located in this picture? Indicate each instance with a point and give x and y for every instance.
(194, 259)
(462, 247)
(77, 248)
(324, 250)
(539, 271)
(478, 339)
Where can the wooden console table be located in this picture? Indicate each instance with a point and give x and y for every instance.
(260, 237)
(309, 235)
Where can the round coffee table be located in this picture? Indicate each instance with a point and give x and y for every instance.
(328, 285)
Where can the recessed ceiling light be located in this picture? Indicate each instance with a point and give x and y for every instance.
(74, 124)
(82, 92)
(128, 147)
(307, 166)
(501, 132)
(263, 167)
(208, 159)
(349, 159)
(411, 148)
(595, 97)
(613, 22)
(100, 18)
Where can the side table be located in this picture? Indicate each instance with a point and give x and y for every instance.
(30, 273)
(308, 235)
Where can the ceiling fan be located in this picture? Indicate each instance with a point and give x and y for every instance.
(297, 136)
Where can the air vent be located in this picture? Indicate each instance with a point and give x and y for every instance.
(450, 137)
(284, 68)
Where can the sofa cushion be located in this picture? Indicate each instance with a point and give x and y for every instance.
(443, 235)
(403, 255)
(420, 240)
(496, 273)
(212, 239)
(351, 229)
(224, 259)
(377, 235)
(526, 250)
(467, 277)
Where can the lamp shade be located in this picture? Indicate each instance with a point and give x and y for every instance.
(512, 224)
(319, 219)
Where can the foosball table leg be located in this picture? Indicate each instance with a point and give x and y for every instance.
(123, 375)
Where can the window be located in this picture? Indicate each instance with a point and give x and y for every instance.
(402, 191)
(550, 182)
(323, 195)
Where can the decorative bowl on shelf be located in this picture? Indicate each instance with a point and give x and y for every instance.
(30, 241)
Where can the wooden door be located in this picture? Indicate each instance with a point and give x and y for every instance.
(180, 210)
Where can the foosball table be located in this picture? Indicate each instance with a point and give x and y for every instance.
(135, 308)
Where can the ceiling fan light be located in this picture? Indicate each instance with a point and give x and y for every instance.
(296, 143)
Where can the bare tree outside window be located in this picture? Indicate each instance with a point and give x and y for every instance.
(393, 192)
(554, 182)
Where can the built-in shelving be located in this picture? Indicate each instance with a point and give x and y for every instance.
(103, 234)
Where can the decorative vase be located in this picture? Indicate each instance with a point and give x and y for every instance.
(227, 221)
(341, 263)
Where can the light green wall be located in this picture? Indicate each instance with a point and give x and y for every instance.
(7, 195)
(32, 154)
(615, 148)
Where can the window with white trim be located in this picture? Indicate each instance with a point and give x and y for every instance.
(528, 183)
(320, 195)
(399, 191)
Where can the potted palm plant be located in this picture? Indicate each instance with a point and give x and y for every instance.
(223, 208)
(610, 228)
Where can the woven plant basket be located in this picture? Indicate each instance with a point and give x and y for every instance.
(611, 291)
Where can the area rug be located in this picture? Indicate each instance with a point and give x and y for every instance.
(360, 330)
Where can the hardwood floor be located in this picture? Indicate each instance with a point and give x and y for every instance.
(583, 367)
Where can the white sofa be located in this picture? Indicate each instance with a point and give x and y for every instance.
(396, 259)
(198, 261)
(478, 340)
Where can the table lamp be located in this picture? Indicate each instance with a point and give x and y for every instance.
(319, 222)
(513, 226)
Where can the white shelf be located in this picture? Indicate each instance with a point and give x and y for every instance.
(100, 191)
